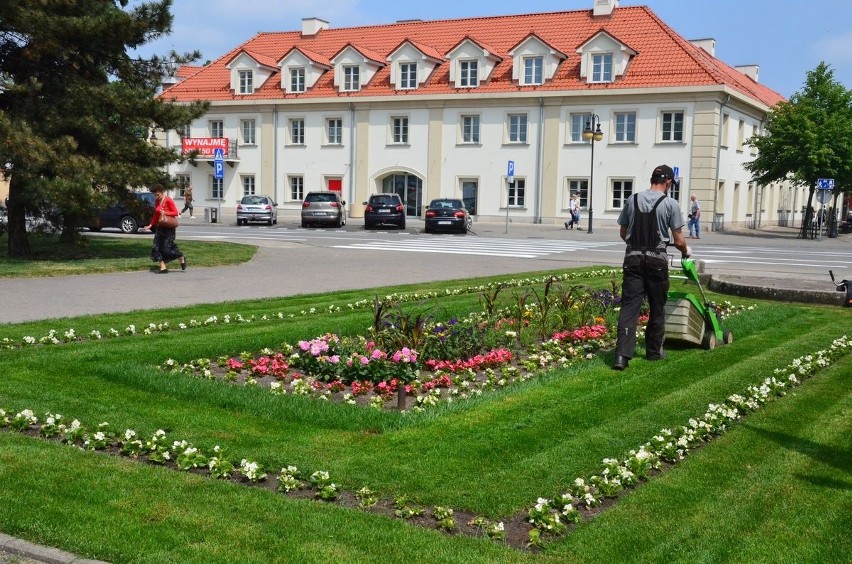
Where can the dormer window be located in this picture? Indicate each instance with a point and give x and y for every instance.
(351, 78)
(603, 58)
(407, 75)
(411, 64)
(602, 67)
(249, 71)
(297, 79)
(533, 70)
(469, 74)
(246, 82)
(301, 69)
(534, 62)
(471, 63)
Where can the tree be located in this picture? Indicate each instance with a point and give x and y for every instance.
(76, 107)
(807, 137)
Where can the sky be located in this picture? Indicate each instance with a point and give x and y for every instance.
(786, 38)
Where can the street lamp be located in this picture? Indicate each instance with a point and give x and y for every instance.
(592, 133)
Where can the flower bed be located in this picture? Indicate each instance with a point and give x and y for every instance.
(585, 498)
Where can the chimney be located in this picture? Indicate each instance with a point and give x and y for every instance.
(751, 71)
(312, 26)
(604, 7)
(708, 45)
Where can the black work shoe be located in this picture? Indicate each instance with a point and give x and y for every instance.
(662, 355)
(620, 363)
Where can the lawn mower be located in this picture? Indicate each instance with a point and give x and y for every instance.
(844, 286)
(691, 320)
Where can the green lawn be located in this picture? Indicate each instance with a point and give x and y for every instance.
(97, 254)
(775, 487)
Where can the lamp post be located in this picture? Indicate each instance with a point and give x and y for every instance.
(592, 133)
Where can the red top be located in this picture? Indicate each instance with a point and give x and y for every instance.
(169, 208)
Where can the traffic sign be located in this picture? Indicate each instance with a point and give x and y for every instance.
(676, 171)
(823, 196)
(511, 169)
(218, 169)
(218, 155)
(825, 183)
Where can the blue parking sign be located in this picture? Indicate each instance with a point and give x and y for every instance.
(511, 169)
(218, 169)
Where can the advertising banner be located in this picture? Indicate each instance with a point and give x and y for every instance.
(204, 145)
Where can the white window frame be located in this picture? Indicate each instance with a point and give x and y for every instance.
(468, 73)
(334, 131)
(407, 75)
(182, 181)
(248, 130)
(625, 127)
(533, 70)
(580, 185)
(351, 78)
(297, 79)
(217, 187)
(183, 131)
(576, 125)
(399, 130)
(740, 135)
(517, 128)
(297, 188)
(246, 81)
(216, 126)
(516, 194)
(602, 67)
(470, 133)
(618, 203)
(668, 122)
(297, 131)
(249, 184)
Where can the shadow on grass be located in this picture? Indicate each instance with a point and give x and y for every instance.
(839, 458)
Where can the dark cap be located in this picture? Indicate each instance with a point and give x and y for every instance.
(662, 172)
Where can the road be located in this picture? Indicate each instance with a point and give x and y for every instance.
(292, 260)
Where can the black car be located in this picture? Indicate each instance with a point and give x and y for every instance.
(384, 209)
(447, 214)
(127, 216)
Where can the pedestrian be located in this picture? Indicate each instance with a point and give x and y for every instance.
(645, 221)
(574, 209)
(187, 202)
(164, 249)
(694, 217)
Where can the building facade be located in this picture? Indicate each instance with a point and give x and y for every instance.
(431, 109)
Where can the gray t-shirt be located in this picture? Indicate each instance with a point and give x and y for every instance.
(669, 216)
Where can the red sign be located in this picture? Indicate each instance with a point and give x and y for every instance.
(204, 145)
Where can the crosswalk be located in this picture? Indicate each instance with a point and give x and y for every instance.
(510, 248)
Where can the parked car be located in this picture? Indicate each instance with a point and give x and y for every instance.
(127, 216)
(323, 208)
(384, 209)
(257, 208)
(447, 214)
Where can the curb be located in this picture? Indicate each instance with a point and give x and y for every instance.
(24, 549)
(780, 294)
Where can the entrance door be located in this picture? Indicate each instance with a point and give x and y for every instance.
(409, 188)
(469, 191)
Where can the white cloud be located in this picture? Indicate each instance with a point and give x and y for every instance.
(835, 49)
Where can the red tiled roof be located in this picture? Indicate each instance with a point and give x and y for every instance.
(665, 59)
(264, 60)
(185, 71)
(315, 57)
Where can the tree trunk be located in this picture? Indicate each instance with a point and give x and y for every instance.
(807, 227)
(18, 244)
(70, 230)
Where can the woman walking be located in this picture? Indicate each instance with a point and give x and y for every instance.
(164, 224)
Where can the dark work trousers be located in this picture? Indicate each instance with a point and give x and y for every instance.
(644, 275)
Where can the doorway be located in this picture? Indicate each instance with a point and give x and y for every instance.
(409, 188)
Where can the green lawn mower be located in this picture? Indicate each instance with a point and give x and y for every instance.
(691, 320)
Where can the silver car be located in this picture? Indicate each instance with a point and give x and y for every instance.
(257, 208)
(325, 208)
